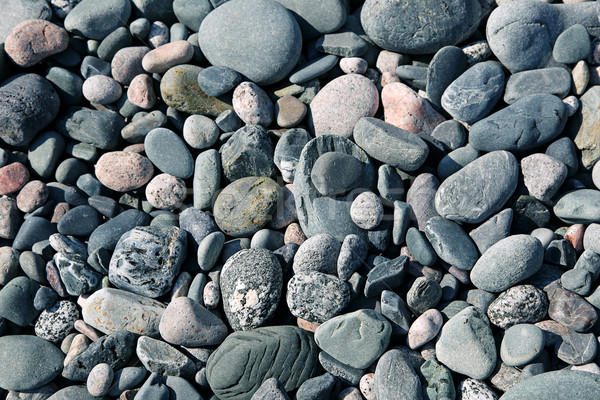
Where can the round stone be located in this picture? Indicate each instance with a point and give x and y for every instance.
(319, 253)
(521, 344)
(159, 60)
(366, 210)
(572, 45)
(55, 323)
(217, 80)
(100, 379)
(425, 328)
(252, 104)
(33, 40)
(141, 91)
(123, 171)
(166, 192)
(336, 173)
(266, 39)
(200, 132)
(289, 111)
(127, 63)
(339, 105)
(12, 178)
(168, 153)
(33, 195)
(101, 89)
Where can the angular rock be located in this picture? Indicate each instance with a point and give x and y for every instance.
(248, 152)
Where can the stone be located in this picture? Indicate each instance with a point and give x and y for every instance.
(289, 111)
(543, 175)
(200, 132)
(508, 262)
(160, 59)
(12, 178)
(108, 234)
(477, 201)
(342, 372)
(386, 275)
(570, 309)
(445, 66)
(493, 230)
(33, 40)
(21, 11)
(237, 209)
(253, 105)
(141, 92)
(583, 127)
(254, 38)
(218, 80)
(251, 284)
(450, 133)
(391, 145)
(179, 89)
(521, 344)
(577, 348)
(319, 253)
(163, 359)
(354, 97)
(521, 304)
(354, 65)
(99, 128)
(356, 339)
(127, 63)
(466, 344)
(28, 103)
(181, 388)
(316, 297)
(366, 210)
(168, 152)
(316, 19)
(524, 125)
(313, 69)
(428, 30)
(343, 44)
(33, 230)
(287, 152)
(79, 221)
(336, 173)
(147, 260)
(95, 21)
(439, 381)
(421, 198)
(100, 379)
(562, 384)
(106, 308)
(166, 192)
(123, 171)
(73, 392)
(451, 243)
(33, 195)
(16, 301)
(395, 377)
(405, 109)
(55, 323)
(28, 362)
(425, 293)
(352, 255)
(247, 153)
(572, 45)
(560, 252)
(471, 389)
(578, 206)
(249, 357)
(322, 386)
(101, 89)
(153, 389)
(424, 328)
(474, 94)
(114, 349)
(554, 80)
(207, 178)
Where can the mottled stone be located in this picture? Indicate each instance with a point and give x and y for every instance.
(252, 104)
(518, 305)
(543, 175)
(577, 348)
(451, 243)
(439, 381)
(471, 389)
(163, 359)
(395, 377)
(33, 40)
(55, 323)
(570, 309)
(248, 152)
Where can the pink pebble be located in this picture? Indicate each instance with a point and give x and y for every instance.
(12, 178)
(141, 92)
(425, 328)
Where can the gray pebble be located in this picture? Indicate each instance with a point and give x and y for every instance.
(319, 253)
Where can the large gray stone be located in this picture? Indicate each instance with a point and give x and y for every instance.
(556, 81)
(96, 20)
(556, 385)
(395, 377)
(579, 206)
(584, 127)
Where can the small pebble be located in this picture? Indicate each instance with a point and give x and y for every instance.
(166, 192)
(141, 92)
(101, 89)
(366, 210)
(100, 379)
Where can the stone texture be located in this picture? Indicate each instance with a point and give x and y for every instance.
(395, 377)
(33, 40)
(520, 304)
(584, 127)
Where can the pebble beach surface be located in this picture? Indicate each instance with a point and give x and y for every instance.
(299, 199)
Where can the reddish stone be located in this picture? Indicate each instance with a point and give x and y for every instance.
(33, 195)
(553, 331)
(575, 235)
(12, 178)
(166, 56)
(54, 280)
(570, 309)
(122, 171)
(88, 331)
(59, 210)
(307, 325)
(404, 108)
(135, 148)
(289, 111)
(141, 92)
(127, 63)
(294, 234)
(33, 40)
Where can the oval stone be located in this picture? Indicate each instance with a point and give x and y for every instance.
(336, 173)
(168, 152)
(451, 243)
(33, 40)
(556, 385)
(521, 304)
(28, 362)
(95, 20)
(246, 205)
(508, 262)
(159, 60)
(251, 284)
(245, 359)
(478, 190)
(258, 38)
(99, 128)
(123, 171)
(579, 207)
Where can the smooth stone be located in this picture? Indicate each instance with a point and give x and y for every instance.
(560, 252)
(343, 44)
(420, 247)
(289, 111)
(355, 97)
(186, 322)
(28, 103)
(318, 253)
(563, 384)
(163, 359)
(197, 224)
(570, 309)
(445, 66)
(572, 45)
(336, 173)
(456, 160)
(451, 243)
(286, 353)
(67, 84)
(95, 21)
(386, 275)
(127, 64)
(153, 389)
(166, 192)
(73, 392)
(228, 121)
(270, 389)
(342, 372)
(32, 41)
(421, 198)
(160, 59)
(79, 221)
(439, 381)
(583, 127)
(237, 211)
(287, 152)
(316, 297)
(19, 11)
(113, 42)
(251, 284)
(33, 230)
(180, 388)
(521, 344)
(555, 80)
(414, 75)
(126, 378)
(394, 309)
(316, 19)
(313, 69)
(395, 377)
(12, 178)
(99, 379)
(44, 153)
(179, 89)
(218, 80)
(378, 138)
(99, 128)
(493, 230)
(114, 349)
(108, 234)
(254, 39)
(577, 348)
(466, 344)
(147, 260)
(28, 362)
(474, 94)
(191, 13)
(352, 255)
(169, 153)
(200, 132)
(473, 203)
(424, 328)
(248, 153)
(9, 264)
(91, 66)
(55, 322)
(563, 149)
(426, 30)
(207, 178)
(521, 304)
(366, 210)
(209, 250)
(524, 125)
(450, 133)
(141, 92)
(579, 206)
(390, 185)
(123, 171)
(101, 89)
(16, 301)
(106, 308)
(253, 105)
(136, 131)
(322, 386)
(356, 339)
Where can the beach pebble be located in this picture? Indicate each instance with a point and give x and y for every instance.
(424, 328)
(13, 178)
(521, 344)
(101, 89)
(252, 104)
(200, 132)
(141, 92)
(34, 40)
(56, 322)
(100, 379)
(289, 111)
(366, 210)
(123, 171)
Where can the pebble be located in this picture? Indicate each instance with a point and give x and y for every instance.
(252, 104)
(445, 67)
(100, 379)
(16, 301)
(385, 275)
(472, 389)
(163, 359)
(218, 80)
(521, 344)
(56, 322)
(289, 111)
(168, 152)
(366, 210)
(200, 132)
(9, 264)
(355, 97)
(101, 89)
(79, 221)
(554, 80)
(126, 378)
(572, 45)
(313, 69)
(352, 255)
(319, 253)
(578, 206)
(95, 21)
(570, 309)
(141, 92)
(367, 386)
(33, 40)
(583, 132)
(207, 178)
(561, 383)
(79, 122)
(577, 348)
(165, 191)
(13, 178)
(424, 328)
(581, 77)
(316, 19)
(353, 65)
(248, 153)
(158, 34)
(325, 174)
(33, 195)
(127, 63)
(543, 175)
(521, 304)
(451, 243)
(211, 295)
(395, 377)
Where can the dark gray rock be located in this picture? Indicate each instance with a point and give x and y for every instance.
(180, 388)
(126, 378)
(168, 153)
(147, 260)
(474, 93)
(218, 80)
(420, 247)
(344, 373)
(456, 160)
(521, 304)
(391, 145)
(577, 348)
(287, 152)
(91, 66)
(589, 261)
(445, 66)
(577, 280)
(157, 10)
(115, 350)
(28, 103)
(251, 285)
(343, 44)
(451, 243)
(236, 369)
(560, 252)
(451, 134)
(101, 129)
(79, 221)
(198, 224)
(248, 152)
(524, 125)
(313, 69)
(424, 294)
(45, 298)
(439, 381)
(390, 185)
(555, 80)
(67, 84)
(153, 389)
(556, 385)
(394, 309)
(419, 28)
(96, 20)
(572, 45)
(16, 301)
(44, 152)
(414, 75)
(493, 230)
(75, 274)
(386, 275)
(563, 149)
(570, 309)
(266, 25)
(395, 377)
(316, 19)
(108, 234)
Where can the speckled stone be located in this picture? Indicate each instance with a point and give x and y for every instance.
(163, 359)
(395, 377)
(543, 175)
(252, 104)
(520, 304)
(339, 105)
(141, 92)
(55, 323)
(123, 171)
(100, 379)
(472, 389)
(247, 153)
(12, 178)
(33, 195)
(33, 40)
(127, 63)
(165, 191)
(251, 283)
(319, 253)
(366, 210)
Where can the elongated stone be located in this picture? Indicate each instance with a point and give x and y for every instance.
(558, 385)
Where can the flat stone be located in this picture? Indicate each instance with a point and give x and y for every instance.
(153, 389)
(451, 243)
(583, 127)
(247, 153)
(482, 197)
(428, 30)
(356, 339)
(562, 384)
(340, 104)
(579, 206)
(95, 21)
(554, 80)
(336, 173)
(163, 359)
(266, 25)
(313, 69)
(521, 344)
(33, 40)
(395, 377)
(286, 353)
(466, 344)
(570, 309)
(168, 153)
(386, 275)
(343, 44)
(521, 304)
(524, 125)
(28, 362)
